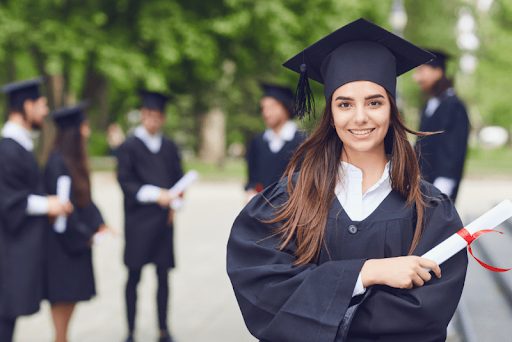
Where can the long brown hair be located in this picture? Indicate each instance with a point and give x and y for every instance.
(70, 143)
(305, 212)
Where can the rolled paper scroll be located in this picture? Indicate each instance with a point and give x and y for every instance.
(180, 186)
(63, 193)
(460, 240)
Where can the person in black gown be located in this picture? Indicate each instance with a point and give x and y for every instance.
(441, 156)
(269, 152)
(148, 165)
(23, 207)
(332, 251)
(69, 269)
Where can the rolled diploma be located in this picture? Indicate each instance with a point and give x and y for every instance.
(63, 192)
(180, 186)
(455, 243)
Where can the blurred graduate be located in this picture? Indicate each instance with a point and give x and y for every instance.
(69, 269)
(441, 156)
(24, 207)
(148, 166)
(331, 252)
(269, 152)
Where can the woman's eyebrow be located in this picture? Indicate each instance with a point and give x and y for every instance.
(371, 97)
(376, 96)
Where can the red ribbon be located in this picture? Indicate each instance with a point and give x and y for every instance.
(463, 233)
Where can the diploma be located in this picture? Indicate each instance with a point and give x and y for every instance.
(180, 186)
(455, 243)
(184, 182)
(63, 193)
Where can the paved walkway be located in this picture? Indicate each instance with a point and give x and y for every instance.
(203, 306)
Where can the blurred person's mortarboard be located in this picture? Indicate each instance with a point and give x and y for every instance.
(153, 100)
(441, 57)
(358, 51)
(70, 116)
(18, 92)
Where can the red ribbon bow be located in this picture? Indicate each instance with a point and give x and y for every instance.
(470, 238)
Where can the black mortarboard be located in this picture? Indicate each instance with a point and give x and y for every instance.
(70, 116)
(357, 51)
(280, 93)
(18, 92)
(153, 100)
(440, 59)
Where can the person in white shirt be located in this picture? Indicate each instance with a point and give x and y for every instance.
(24, 207)
(149, 164)
(268, 153)
(332, 252)
(441, 156)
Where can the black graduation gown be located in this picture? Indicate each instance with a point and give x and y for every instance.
(443, 155)
(22, 237)
(149, 236)
(69, 269)
(266, 167)
(281, 302)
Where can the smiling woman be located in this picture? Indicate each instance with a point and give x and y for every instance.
(330, 252)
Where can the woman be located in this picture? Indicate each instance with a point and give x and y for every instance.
(330, 253)
(70, 276)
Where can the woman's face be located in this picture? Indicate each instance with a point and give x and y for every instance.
(361, 112)
(85, 130)
(274, 113)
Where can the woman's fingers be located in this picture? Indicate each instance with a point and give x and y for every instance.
(431, 265)
(424, 274)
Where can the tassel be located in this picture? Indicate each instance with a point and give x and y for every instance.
(304, 99)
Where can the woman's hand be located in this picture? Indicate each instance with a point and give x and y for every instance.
(57, 208)
(400, 272)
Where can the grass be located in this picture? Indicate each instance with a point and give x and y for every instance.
(480, 163)
(230, 170)
(489, 163)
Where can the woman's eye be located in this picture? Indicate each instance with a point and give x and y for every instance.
(344, 105)
(375, 103)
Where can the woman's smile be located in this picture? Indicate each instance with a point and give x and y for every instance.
(361, 132)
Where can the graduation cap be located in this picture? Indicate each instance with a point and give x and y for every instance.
(153, 100)
(358, 51)
(18, 92)
(70, 116)
(282, 94)
(440, 59)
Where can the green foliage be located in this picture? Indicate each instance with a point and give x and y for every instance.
(213, 53)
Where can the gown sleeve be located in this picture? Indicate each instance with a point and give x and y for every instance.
(13, 189)
(280, 301)
(250, 158)
(130, 184)
(83, 222)
(453, 140)
(424, 310)
(177, 163)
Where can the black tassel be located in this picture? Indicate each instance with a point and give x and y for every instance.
(304, 99)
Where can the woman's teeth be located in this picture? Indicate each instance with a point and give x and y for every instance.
(361, 131)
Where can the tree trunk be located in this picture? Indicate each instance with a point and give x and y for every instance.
(213, 137)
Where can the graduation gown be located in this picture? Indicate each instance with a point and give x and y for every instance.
(313, 302)
(69, 269)
(443, 155)
(266, 167)
(22, 237)
(148, 235)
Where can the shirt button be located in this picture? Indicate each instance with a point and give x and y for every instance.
(352, 229)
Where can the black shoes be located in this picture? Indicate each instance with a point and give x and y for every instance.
(166, 338)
